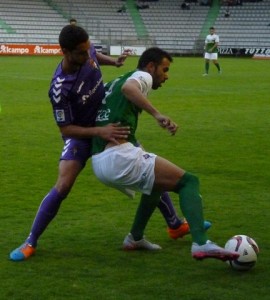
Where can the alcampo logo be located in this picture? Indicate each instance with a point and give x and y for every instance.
(42, 50)
(6, 49)
(30, 49)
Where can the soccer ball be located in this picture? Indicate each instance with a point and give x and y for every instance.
(248, 250)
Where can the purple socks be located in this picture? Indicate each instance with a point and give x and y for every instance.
(46, 212)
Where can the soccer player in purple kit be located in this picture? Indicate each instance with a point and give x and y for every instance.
(76, 93)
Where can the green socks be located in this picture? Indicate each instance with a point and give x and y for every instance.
(207, 64)
(218, 66)
(191, 206)
(144, 211)
(206, 67)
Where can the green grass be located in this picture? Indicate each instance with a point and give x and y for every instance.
(223, 138)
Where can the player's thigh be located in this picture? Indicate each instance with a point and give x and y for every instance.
(167, 174)
(68, 172)
(214, 57)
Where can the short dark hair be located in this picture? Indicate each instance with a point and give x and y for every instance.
(212, 27)
(71, 36)
(72, 20)
(153, 54)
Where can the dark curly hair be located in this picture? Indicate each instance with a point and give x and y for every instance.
(154, 55)
(71, 36)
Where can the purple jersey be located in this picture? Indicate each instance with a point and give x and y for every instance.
(76, 97)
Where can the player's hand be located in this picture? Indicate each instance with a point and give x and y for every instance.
(171, 126)
(121, 59)
(113, 132)
(167, 123)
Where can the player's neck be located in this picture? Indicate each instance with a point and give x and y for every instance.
(69, 68)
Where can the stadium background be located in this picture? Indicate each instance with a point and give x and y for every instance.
(163, 23)
(223, 138)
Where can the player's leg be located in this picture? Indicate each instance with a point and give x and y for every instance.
(135, 239)
(177, 227)
(217, 66)
(147, 203)
(167, 175)
(168, 211)
(172, 178)
(215, 62)
(206, 66)
(71, 164)
(68, 172)
(126, 167)
(206, 63)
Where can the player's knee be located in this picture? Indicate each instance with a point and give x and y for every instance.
(63, 189)
(188, 179)
(191, 179)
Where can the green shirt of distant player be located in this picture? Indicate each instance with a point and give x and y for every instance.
(210, 41)
(116, 108)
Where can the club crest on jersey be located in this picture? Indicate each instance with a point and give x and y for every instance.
(93, 63)
(60, 115)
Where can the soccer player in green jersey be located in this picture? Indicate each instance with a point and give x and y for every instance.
(211, 50)
(129, 168)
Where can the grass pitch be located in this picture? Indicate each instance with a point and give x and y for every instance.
(223, 138)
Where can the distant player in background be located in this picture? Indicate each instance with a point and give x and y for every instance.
(211, 50)
(73, 21)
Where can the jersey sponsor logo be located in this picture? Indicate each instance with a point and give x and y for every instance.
(91, 92)
(85, 98)
(60, 115)
(103, 115)
(80, 87)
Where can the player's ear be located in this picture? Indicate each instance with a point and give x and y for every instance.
(150, 67)
(64, 50)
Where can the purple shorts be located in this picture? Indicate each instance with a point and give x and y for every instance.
(76, 150)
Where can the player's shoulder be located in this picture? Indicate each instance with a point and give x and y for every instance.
(60, 82)
(144, 79)
(141, 75)
(60, 86)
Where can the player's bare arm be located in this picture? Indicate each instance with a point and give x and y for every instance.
(108, 60)
(131, 89)
(109, 132)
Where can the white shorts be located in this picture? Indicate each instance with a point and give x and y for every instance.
(126, 168)
(211, 56)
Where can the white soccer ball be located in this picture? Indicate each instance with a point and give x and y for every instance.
(248, 250)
